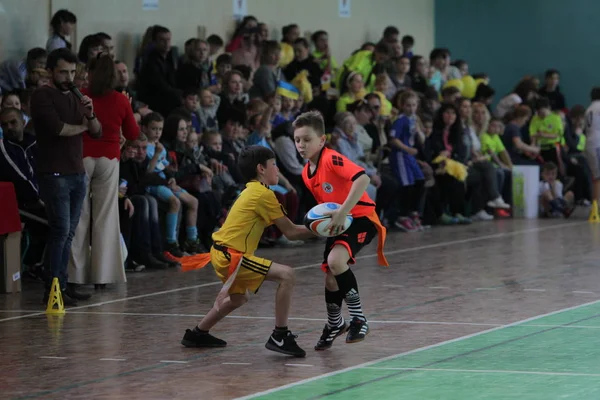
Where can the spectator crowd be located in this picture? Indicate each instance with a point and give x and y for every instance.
(142, 168)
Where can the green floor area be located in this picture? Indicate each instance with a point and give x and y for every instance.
(553, 357)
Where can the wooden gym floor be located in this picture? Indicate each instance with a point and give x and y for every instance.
(501, 310)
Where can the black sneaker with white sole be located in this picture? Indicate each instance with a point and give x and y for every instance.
(329, 335)
(285, 344)
(195, 338)
(357, 331)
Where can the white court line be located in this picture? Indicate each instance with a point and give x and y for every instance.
(439, 287)
(486, 288)
(395, 356)
(173, 362)
(373, 321)
(53, 358)
(583, 292)
(113, 359)
(388, 253)
(393, 285)
(565, 327)
(232, 363)
(485, 371)
(299, 365)
(534, 290)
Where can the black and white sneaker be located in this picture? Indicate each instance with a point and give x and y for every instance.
(193, 338)
(286, 344)
(329, 335)
(357, 331)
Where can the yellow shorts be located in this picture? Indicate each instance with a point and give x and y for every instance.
(251, 273)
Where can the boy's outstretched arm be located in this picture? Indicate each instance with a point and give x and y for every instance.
(293, 231)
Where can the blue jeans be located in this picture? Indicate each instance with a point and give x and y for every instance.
(63, 196)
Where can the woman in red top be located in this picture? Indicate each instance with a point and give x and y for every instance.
(104, 262)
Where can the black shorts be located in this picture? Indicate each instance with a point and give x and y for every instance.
(358, 235)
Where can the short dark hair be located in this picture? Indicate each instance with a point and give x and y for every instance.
(382, 49)
(551, 72)
(268, 47)
(35, 54)
(542, 102)
(367, 44)
(302, 41)
(215, 40)
(315, 36)
(438, 53)
(8, 110)
(224, 59)
(62, 16)
(152, 117)
(595, 93)
(390, 31)
(286, 29)
(311, 119)
(577, 111)
(234, 115)
(157, 30)
(251, 157)
(103, 36)
(60, 54)
(408, 40)
(189, 92)
(549, 166)
(484, 91)
(449, 91)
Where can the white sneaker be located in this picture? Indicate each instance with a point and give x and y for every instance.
(482, 216)
(498, 203)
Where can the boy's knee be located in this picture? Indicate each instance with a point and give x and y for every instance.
(287, 276)
(174, 203)
(336, 262)
(193, 203)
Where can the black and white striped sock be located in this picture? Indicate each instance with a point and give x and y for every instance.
(334, 308)
(349, 287)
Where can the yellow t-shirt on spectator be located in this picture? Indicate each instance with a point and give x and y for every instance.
(491, 144)
(551, 124)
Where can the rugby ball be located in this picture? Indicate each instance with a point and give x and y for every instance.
(318, 221)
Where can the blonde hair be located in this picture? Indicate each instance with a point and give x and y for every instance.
(486, 118)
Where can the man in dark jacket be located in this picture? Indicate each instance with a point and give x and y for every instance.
(157, 81)
(17, 165)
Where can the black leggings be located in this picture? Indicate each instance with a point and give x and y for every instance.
(410, 198)
(209, 209)
(451, 194)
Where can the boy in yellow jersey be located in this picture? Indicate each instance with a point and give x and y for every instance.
(547, 131)
(232, 255)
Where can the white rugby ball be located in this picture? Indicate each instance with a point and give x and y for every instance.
(317, 221)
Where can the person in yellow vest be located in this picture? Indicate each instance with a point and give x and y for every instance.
(290, 33)
(355, 91)
(364, 62)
